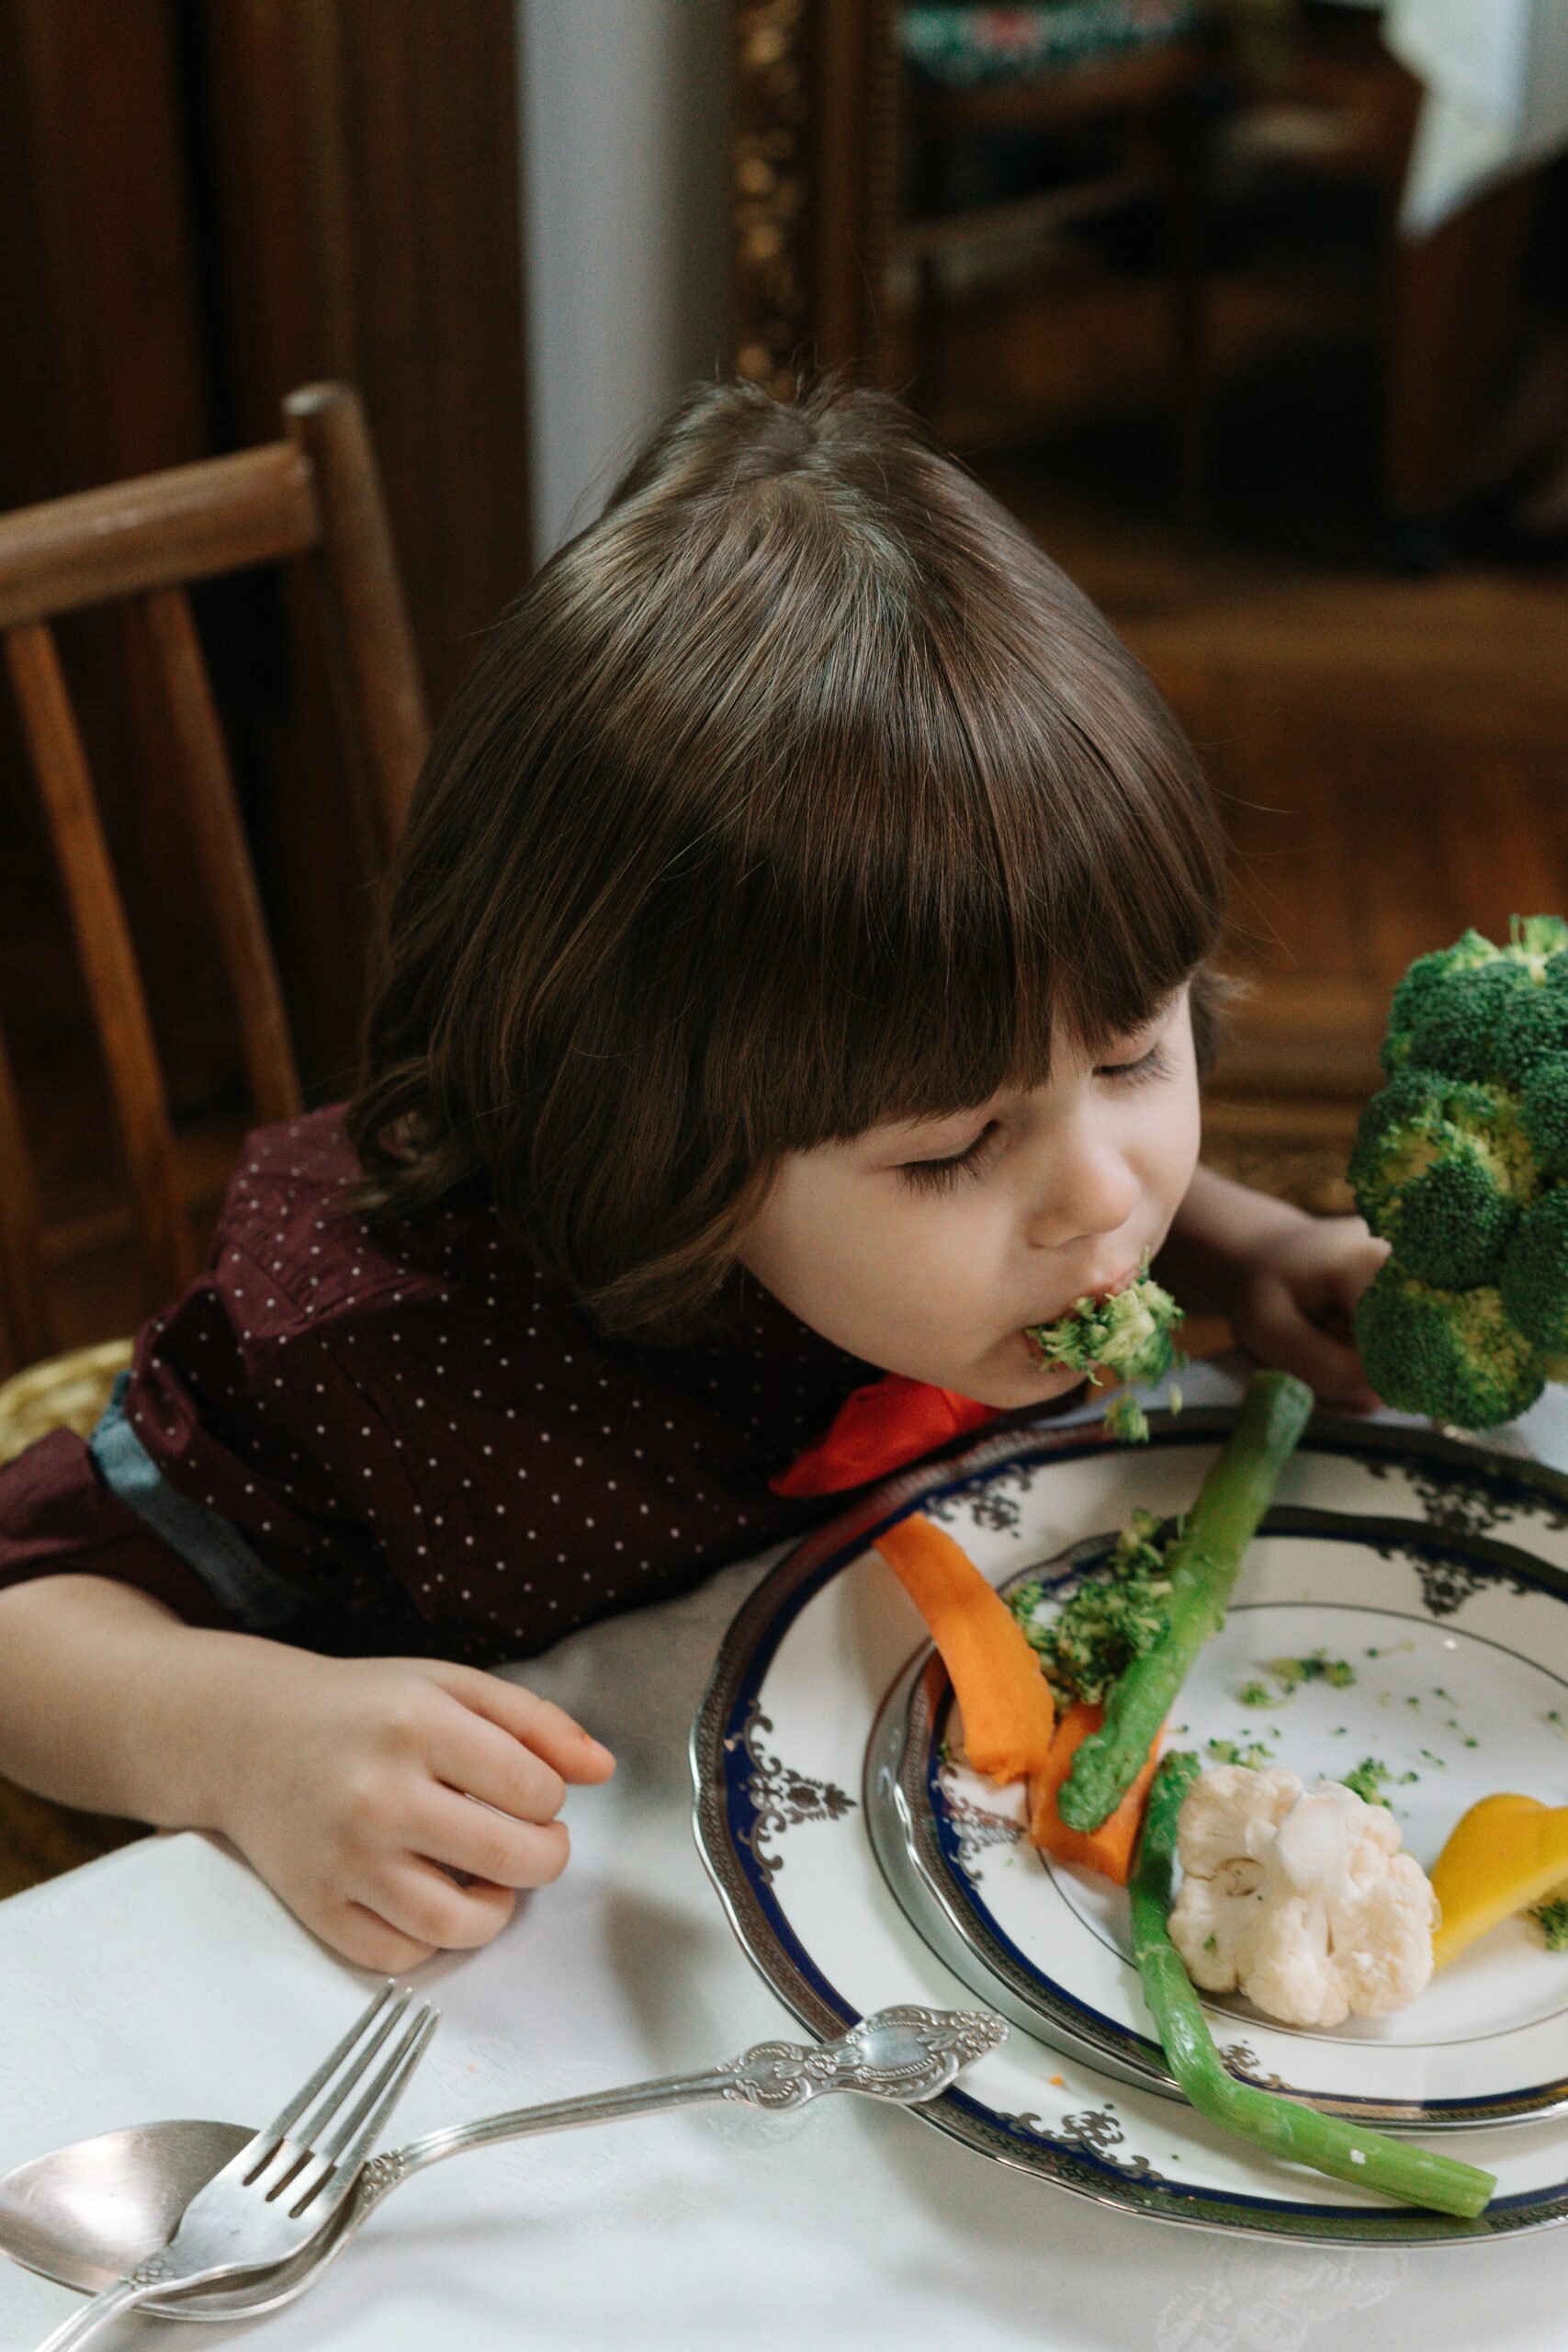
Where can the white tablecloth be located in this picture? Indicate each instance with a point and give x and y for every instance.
(165, 1980)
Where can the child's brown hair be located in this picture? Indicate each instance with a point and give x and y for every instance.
(800, 792)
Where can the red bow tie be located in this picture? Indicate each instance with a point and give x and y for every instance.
(878, 1429)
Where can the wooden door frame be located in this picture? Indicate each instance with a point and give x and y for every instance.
(813, 159)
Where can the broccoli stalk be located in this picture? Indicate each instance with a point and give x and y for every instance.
(1461, 1164)
(1127, 1337)
(1202, 1564)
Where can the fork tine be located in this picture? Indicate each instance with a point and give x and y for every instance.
(265, 2142)
(349, 2144)
(333, 2098)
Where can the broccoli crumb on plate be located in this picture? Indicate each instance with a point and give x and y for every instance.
(1116, 1614)
(1368, 1780)
(1552, 1918)
(1254, 1755)
(1290, 1673)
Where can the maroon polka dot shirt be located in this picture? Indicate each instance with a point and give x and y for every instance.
(422, 1435)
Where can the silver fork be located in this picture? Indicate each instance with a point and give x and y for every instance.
(284, 2185)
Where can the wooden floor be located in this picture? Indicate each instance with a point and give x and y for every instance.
(1390, 751)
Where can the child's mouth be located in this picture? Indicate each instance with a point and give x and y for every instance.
(1096, 1291)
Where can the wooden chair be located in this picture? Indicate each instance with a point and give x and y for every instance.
(313, 494)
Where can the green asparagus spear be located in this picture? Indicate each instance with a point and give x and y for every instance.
(1201, 1562)
(1286, 2126)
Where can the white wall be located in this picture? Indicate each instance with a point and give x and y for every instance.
(624, 112)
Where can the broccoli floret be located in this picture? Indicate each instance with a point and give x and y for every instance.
(1115, 1616)
(1441, 1168)
(1534, 1286)
(1462, 1027)
(1461, 1163)
(1454, 1354)
(1543, 1111)
(1128, 1336)
(1420, 987)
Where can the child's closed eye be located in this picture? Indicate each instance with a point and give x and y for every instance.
(1155, 1063)
(941, 1175)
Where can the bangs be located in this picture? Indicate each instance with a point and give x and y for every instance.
(990, 840)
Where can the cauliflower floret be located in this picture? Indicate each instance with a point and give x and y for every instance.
(1299, 1897)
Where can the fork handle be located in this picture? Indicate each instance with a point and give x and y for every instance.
(104, 2307)
(655, 2097)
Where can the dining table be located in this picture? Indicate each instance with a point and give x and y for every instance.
(166, 1980)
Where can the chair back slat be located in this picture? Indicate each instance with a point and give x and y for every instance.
(186, 523)
(29, 1325)
(208, 784)
(364, 600)
(314, 494)
(103, 943)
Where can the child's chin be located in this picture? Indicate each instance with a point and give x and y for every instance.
(1026, 1381)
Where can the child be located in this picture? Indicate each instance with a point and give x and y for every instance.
(798, 968)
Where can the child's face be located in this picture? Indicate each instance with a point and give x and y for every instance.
(926, 1245)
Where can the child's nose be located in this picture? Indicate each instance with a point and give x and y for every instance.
(1092, 1191)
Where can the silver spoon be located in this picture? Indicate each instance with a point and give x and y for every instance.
(88, 2214)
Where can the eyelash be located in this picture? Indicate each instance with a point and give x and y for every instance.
(941, 1175)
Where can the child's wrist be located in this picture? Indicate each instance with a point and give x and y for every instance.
(194, 1733)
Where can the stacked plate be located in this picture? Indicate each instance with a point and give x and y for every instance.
(860, 1863)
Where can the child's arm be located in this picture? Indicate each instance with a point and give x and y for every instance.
(1288, 1282)
(348, 1784)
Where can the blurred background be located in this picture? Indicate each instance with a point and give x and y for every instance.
(1256, 312)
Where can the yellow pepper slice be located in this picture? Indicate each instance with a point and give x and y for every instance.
(1505, 1853)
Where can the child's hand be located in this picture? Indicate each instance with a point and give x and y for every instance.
(350, 1786)
(1291, 1296)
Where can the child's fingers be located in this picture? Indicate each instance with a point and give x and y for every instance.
(1359, 1270)
(548, 1729)
(419, 1899)
(477, 1758)
(462, 1835)
(1281, 1335)
(363, 1937)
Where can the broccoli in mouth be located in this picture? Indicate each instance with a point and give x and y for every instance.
(1117, 1614)
(1461, 1164)
(1127, 1337)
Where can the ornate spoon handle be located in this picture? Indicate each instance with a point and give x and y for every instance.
(905, 2055)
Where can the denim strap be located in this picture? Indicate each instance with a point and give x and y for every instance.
(207, 1543)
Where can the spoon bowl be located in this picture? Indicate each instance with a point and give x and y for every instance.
(92, 2213)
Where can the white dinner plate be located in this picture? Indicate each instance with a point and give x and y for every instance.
(1377, 1529)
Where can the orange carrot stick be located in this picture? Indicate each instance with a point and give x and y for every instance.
(1003, 1697)
(1108, 1849)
